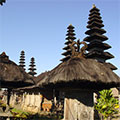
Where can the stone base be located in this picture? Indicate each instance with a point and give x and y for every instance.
(78, 105)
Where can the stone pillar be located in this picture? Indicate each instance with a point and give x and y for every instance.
(23, 101)
(38, 101)
(29, 99)
(26, 102)
(78, 105)
(32, 100)
(65, 109)
(13, 99)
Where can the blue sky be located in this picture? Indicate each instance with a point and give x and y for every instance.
(39, 27)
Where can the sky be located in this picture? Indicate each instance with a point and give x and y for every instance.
(39, 28)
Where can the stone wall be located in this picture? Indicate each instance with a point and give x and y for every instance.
(78, 104)
(30, 102)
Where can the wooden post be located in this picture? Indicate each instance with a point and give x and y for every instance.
(66, 109)
(8, 97)
(78, 105)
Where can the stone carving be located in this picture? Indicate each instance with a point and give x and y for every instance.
(76, 50)
(84, 115)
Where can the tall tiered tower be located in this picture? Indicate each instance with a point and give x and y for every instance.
(22, 60)
(70, 37)
(95, 38)
(32, 67)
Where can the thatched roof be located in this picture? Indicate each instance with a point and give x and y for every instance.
(77, 73)
(111, 66)
(37, 81)
(81, 72)
(11, 75)
(41, 77)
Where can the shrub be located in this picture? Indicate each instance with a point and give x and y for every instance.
(107, 105)
(20, 114)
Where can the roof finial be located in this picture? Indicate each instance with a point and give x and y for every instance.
(93, 6)
(4, 57)
(3, 54)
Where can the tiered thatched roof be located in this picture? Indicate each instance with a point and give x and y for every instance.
(70, 36)
(96, 46)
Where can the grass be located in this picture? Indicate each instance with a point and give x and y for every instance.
(22, 115)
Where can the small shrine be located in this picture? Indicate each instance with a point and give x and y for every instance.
(11, 75)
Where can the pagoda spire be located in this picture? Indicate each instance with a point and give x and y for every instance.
(93, 6)
(32, 67)
(95, 38)
(22, 60)
(70, 37)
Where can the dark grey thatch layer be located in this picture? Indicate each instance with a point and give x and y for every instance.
(40, 78)
(11, 75)
(111, 66)
(82, 71)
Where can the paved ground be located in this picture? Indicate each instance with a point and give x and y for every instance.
(117, 118)
(5, 114)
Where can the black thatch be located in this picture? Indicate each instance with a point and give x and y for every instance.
(81, 73)
(32, 68)
(37, 81)
(11, 75)
(70, 37)
(96, 46)
(111, 66)
(42, 78)
(22, 60)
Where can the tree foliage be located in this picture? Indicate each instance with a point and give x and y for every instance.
(107, 105)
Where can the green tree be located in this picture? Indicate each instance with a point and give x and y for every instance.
(107, 105)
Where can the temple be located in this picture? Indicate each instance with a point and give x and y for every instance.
(32, 67)
(66, 91)
(96, 46)
(22, 60)
(70, 37)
